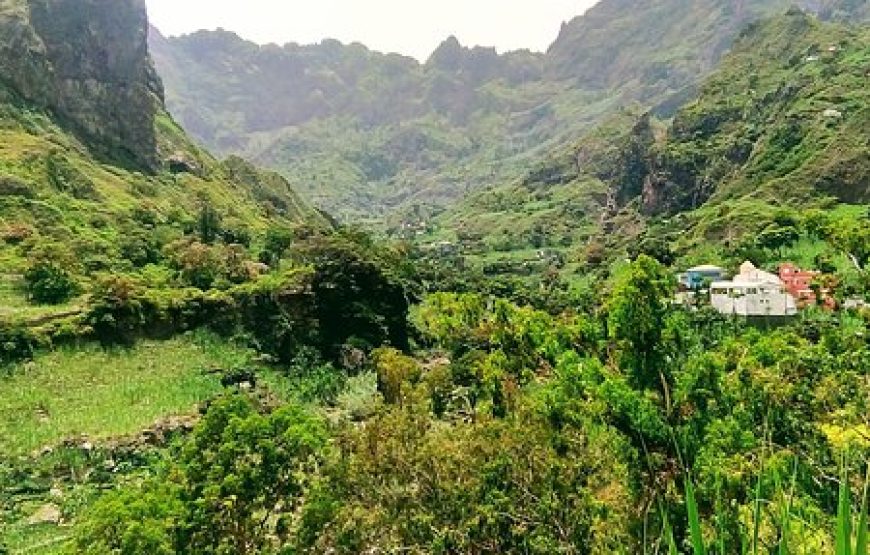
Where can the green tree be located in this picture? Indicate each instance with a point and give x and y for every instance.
(243, 474)
(777, 237)
(396, 372)
(636, 318)
(278, 240)
(48, 283)
(199, 264)
(208, 224)
(235, 488)
(140, 247)
(117, 310)
(132, 522)
(854, 239)
(359, 293)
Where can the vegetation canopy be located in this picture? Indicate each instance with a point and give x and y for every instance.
(608, 299)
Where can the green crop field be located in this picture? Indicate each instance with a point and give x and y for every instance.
(106, 393)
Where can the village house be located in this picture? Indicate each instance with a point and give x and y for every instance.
(752, 293)
(700, 277)
(799, 283)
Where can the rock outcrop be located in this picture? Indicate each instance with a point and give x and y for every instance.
(87, 62)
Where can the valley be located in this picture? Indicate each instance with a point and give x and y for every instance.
(609, 298)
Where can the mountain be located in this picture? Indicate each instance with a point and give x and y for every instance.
(366, 134)
(786, 118)
(780, 127)
(646, 49)
(88, 153)
(56, 58)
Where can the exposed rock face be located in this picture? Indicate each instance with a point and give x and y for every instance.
(87, 61)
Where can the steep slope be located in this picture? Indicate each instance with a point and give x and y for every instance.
(649, 48)
(782, 126)
(366, 134)
(55, 56)
(88, 155)
(786, 119)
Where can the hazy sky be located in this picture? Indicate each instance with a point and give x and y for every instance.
(412, 27)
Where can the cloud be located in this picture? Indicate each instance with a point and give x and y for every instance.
(413, 27)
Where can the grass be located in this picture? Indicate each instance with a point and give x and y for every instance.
(850, 529)
(11, 295)
(103, 394)
(15, 306)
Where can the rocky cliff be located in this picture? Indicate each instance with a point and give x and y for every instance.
(87, 62)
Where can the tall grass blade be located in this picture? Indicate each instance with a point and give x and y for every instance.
(694, 518)
(756, 516)
(784, 531)
(861, 534)
(844, 517)
(756, 531)
(669, 533)
(720, 529)
(785, 525)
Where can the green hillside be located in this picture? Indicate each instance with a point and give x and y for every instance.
(76, 178)
(367, 135)
(781, 126)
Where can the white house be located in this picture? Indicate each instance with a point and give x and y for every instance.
(752, 292)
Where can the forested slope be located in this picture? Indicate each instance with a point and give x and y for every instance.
(780, 127)
(366, 134)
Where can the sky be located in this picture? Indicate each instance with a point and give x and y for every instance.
(410, 27)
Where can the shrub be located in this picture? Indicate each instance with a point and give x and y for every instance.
(317, 381)
(395, 371)
(198, 263)
(16, 343)
(117, 312)
(48, 283)
(278, 240)
(208, 224)
(14, 186)
(236, 234)
(232, 488)
(140, 248)
(16, 233)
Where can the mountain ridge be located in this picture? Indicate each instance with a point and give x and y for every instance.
(329, 116)
(780, 127)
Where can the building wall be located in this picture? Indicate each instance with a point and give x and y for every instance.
(754, 301)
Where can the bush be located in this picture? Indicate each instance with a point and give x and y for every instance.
(208, 224)
(48, 283)
(16, 233)
(117, 312)
(198, 263)
(317, 381)
(237, 234)
(16, 343)
(140, 248)
(278, 240)
(15, 186)
(237, 466)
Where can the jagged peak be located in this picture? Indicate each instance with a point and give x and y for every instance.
(448, 55)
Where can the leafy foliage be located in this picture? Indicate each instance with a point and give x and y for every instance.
(235, 484)
(48, 283)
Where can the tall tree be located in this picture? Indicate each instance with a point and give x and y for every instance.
(636, 317)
